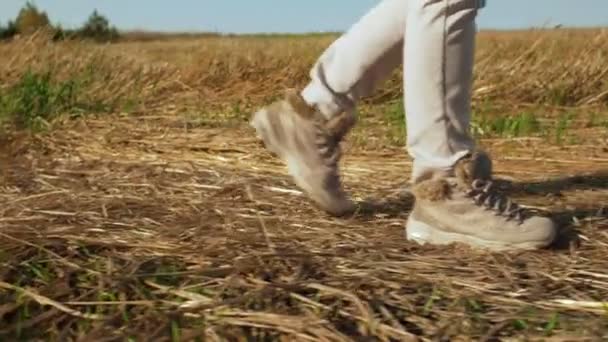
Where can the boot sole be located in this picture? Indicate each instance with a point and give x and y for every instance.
(423, 234)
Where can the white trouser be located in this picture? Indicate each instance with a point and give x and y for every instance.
(438, 69)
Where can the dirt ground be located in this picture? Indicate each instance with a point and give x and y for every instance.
(147, 211)
(149, 228)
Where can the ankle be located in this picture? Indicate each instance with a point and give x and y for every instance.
(467, 165)
(325, 101)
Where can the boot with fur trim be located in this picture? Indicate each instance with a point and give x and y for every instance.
(310, 146)
(465, 208)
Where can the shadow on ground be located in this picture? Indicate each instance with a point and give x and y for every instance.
(565, 219)
(597, 180)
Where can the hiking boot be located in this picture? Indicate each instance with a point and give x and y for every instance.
(310, 146)
(465, 208)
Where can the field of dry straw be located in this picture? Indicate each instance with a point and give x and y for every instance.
(136, 204)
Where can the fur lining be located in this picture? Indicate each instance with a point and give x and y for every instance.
(476, 165)
(426, 175)
(432, 190)
(434, 186)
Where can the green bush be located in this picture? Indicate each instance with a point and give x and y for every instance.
(521, 125)
(36, 100)
(31, 19)
(98, 28)
(8, 31)
(59, 33)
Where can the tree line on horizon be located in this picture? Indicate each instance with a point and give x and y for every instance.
(31, 19)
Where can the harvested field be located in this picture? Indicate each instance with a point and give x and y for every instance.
(148, 211)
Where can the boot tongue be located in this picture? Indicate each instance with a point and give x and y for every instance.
(474, 166)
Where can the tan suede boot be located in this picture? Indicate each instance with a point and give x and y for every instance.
(465, 208)
(310, 146)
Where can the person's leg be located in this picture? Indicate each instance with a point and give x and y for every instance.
(356, 63)
(439, 53)
(455, 200)
(306, 127)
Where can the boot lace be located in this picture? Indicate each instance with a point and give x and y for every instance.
(327, 144)
(484, 194)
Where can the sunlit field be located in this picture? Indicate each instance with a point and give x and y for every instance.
(137, 205)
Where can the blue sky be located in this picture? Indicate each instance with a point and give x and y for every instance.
(251, 16)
